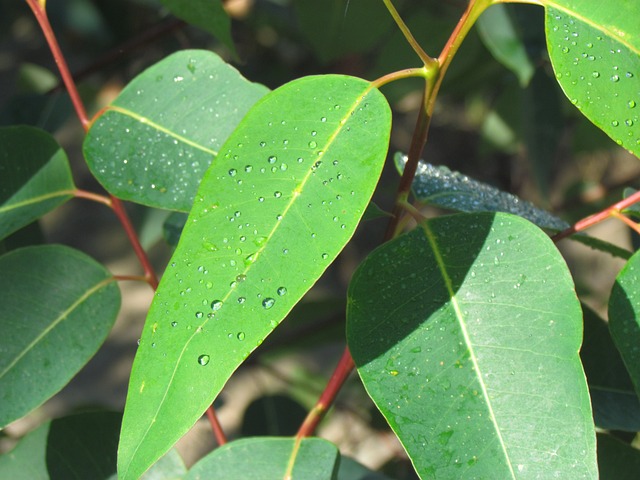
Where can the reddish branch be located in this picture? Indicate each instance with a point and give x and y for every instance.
(221, 438)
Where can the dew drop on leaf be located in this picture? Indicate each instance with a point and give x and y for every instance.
(216, 305)
(203, 360)
(282, 291)
(240, 336)
(199, 314)
(268, 302)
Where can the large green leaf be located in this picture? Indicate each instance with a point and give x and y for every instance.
(34, 177)
(269, 458)
(58, 306)
(153, 144)
(271, 214)
(624, 317)
(206, 14)
(595, 52)
(466, 334)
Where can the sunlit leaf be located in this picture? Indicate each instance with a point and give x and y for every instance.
(278, 205)
(595, 52)
(153, 144)
(58, 306)
(466, 334)
(34, 177)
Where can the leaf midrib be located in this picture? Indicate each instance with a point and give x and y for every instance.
(467, 339)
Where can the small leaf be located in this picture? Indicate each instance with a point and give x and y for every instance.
(27, 460)
(274, 210)
(624, 317)
(58, 306)
(206, 14)
(34, 177)
(437, 185)
(500, 33)
(269, 458)
(153, 144)
(595, 53)
(613, 398)
(466, 334)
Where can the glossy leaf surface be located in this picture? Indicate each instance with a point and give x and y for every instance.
(617, 460)
(34, 177)
(153, 144)
(58, 305)
(466, 334)
(271, 214)
(595, 52)
(269, 458)
(624, 317)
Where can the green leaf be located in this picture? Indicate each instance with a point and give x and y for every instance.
(27, 460)
(58, 306)
(500, 33)
(613, 398)
(153, 144)
(269, 458)
(271, 214)
(352, 470)
(437, 185)
(617, 460)
(624, 317)
(595, 52)
(206, 14)
(34, 177)
(466, 334)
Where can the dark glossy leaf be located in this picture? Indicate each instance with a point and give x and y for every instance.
(269, 458)
(272, 415)
(58, 305)
(617, 460)
(352, 470)
(613, 398)
(595, 53)
(34, 177)
(271, 214)
(466, 334)
(153, 144)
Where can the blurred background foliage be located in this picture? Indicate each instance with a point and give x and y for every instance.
(501, 118)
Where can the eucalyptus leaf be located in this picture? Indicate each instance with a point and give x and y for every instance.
(154, 142)
(284, 196)
(34, 177)
(466, 333)
(58, 305)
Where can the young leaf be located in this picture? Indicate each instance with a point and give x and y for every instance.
(269, 457)
(34, 177)
(206, 14)
(624, 317)
(271, 214)
(153, 144)
(58, 305)
(500, 33)
(466, 334)
(595, 52)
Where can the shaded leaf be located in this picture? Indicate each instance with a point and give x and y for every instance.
(271, 214)
(34, 177)
(272, 415)
(613, 399)
(269, 458)
(352, 470)
(500, 33)
(595, 53)
(58, 306)
(153, 144)
(27, 460)
(624, 317)
(617, 460)
(466, 334)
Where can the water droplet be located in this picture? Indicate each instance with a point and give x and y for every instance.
(325, 256)
(241, 300)
(204, 360)
(323, 119)
(282, 291)
(268, 302)
(216, 305)
(631, 104)
(595, 74)
(248, 168)
(178, 78)
(312, 144)
(174, 324)
(629, 122)
(272, 159)
(240, 336)
(615, 78)
(199, 314)
(277, 194)
(233, 172)
(615, 123)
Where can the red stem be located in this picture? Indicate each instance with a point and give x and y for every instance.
(221, 438)
(598, 217)
(317, 413)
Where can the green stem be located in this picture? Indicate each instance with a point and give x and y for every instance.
(426, 59)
